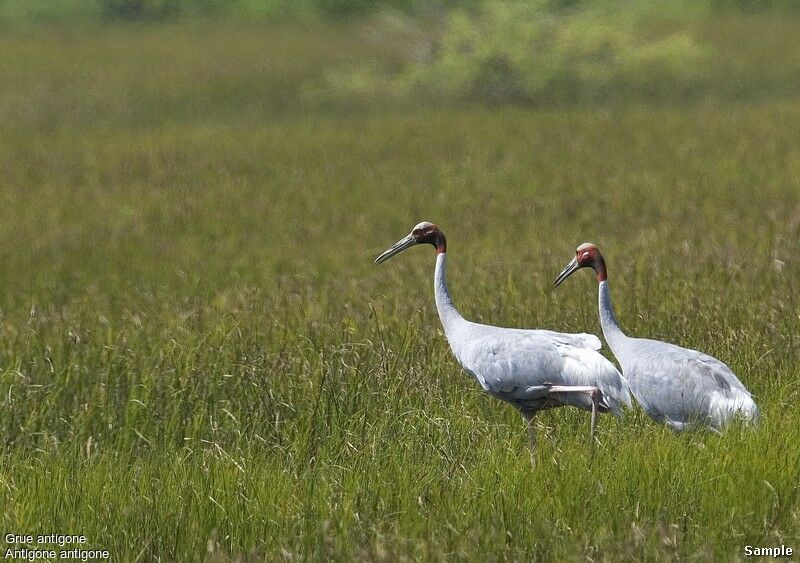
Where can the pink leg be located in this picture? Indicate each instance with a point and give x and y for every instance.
(594, 394)
(528, 416)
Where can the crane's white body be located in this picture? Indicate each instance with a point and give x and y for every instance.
(676, 386)
(530, 369)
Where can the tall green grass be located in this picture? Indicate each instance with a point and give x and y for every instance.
(199, 359)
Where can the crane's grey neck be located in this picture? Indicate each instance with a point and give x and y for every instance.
(448, 313)
(608, 320)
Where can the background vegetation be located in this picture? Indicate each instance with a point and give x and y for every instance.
(199, 359)
(96, 11)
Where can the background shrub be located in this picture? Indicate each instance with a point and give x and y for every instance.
(537, 51)
(97, 11)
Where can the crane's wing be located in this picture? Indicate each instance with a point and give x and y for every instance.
(726, 395)
(521, 365)
(715, 374)
(679, 385)
(579, 340)
(506, 361)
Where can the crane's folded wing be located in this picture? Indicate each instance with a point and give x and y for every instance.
(522, 364)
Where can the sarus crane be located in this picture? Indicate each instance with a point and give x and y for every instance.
(533, 370)
(676, 386)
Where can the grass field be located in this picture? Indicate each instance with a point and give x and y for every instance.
(199, 359)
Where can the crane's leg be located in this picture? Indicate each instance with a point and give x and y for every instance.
(594, 395)
(528, 416)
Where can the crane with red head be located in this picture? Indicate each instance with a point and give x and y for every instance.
(533, 370)
(677, 386)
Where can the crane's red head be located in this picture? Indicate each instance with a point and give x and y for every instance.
(423, 233)
(587, 255)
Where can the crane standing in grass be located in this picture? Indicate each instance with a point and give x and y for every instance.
(676, 386)
(533, 370)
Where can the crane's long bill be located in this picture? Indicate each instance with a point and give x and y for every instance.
(396, 248)
(567, 272)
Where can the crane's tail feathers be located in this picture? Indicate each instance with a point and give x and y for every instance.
(749, 412)
(616, 393)
(614, 405)
(586, 367)
(725, 408)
